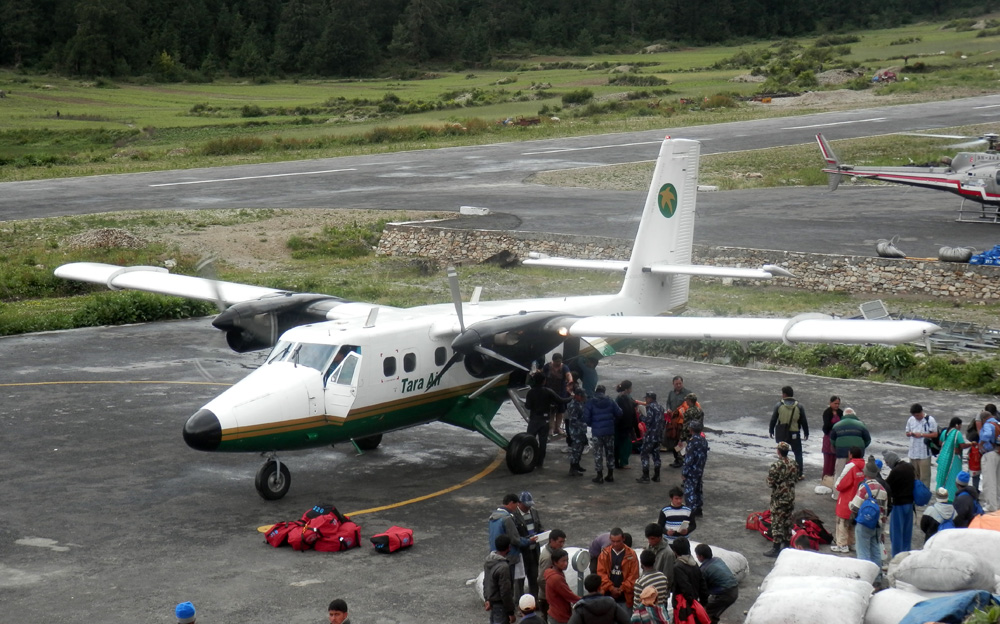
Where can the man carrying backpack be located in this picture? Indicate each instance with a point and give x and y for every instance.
(966, 501)
(989, 449)
(868, 530)
(788, 424)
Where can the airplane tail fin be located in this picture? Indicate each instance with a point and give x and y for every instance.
(833, 179)
(666, 230)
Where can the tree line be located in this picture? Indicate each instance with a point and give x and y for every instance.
(199, 39)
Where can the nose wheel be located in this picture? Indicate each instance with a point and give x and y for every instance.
(273, 479)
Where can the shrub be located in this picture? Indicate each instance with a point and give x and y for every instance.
(637, 80)
(119, 308)
(579, 96)
(353, 241)
(251, 110)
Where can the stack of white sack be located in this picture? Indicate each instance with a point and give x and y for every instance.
(735, 561)
(983, 543)
(805, 587)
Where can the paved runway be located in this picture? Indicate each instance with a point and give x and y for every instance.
(109, 517)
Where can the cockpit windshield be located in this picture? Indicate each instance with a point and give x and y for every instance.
(316, 356)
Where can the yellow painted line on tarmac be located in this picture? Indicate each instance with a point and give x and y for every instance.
(71, 383)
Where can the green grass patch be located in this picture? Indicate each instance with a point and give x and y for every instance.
(355, 241)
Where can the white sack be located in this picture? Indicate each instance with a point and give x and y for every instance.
(890, 606)
(792, 606)
(735, 561)
(792, 562)
(924, 594)
(943, 569)
(809, 585)
(982, 543)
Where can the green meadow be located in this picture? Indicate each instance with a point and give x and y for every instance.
(52, 126)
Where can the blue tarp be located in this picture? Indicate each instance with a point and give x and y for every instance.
(950, 609)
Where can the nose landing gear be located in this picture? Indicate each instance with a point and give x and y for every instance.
(273, 478)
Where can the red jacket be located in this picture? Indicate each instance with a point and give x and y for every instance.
(559, 596)
(848, 486)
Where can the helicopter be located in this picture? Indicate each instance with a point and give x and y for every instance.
(345, 371)
(973, 176)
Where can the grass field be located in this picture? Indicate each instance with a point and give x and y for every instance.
(53, 126)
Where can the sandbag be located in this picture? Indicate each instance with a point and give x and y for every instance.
(926, 595)
(889, 606)
(943, 569)
(792, 606)
(887, 248)
(793, 562)
(808, 584)
(890, 573)
(982, 543)
(735, 561)
(955, 254)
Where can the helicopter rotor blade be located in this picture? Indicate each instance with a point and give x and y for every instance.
(968, 144)
(934, 136)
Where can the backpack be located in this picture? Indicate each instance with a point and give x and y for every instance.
(934, 444)
(950, 522)
(396, 538)
(786, 412)
(278, 534)
(869, 512)
(921, 493)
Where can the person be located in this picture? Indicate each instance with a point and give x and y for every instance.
(989, 449)
(559, 596)
(949, 462)
(966, 501)
(975, 457)
(576, 432)
(900, 480)
(781, 478)
(676, 518)
(788, 424)
(185, 613)
(846, 485)
(502, 522)
(529, 525)
(831, 416)
(588, 375)
(649, 609)
(673, 422)
(868, 539)
(338, 612)
(557, 541)
(653, 421)
(844, 436)
(693, 470)
(595, 607)
(664, 562)
(649, 576)
(689, 411)
(921, 428)
(560, 381)
(688, 580)
(618, 568)
(627, 426)
(600, 413)
(723, 586)
(527, 606)
(540, 402)
(498, 588)
(937, 514)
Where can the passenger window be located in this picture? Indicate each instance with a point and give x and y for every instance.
(440, 355)
(389, 366)
(409, 362)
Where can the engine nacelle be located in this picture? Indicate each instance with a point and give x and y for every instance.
(257, 324)
(521, 338)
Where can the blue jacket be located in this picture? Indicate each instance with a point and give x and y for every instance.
(600, 414)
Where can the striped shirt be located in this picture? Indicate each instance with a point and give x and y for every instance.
(672, 518)
(657, 580)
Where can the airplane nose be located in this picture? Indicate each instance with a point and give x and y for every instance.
(202, 431)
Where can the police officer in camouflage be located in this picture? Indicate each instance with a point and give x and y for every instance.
(653, 422)
(781, 477)
(576, 431)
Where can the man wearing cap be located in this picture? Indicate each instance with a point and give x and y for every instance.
(989, 449)
(937, 514)
(966, 501)
(186, 614)
(672, 434)
(868, 540)
(559, 596)
(921, 428)
(788, 424)
(337, 612)
(527, 606)
(529, 525)
(653, 422)
(693, 470)
(781, 478)
(900, 480)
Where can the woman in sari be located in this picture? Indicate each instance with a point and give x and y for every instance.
(831, 417)
(949, 462)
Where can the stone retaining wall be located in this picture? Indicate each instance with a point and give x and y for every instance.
(819, 272)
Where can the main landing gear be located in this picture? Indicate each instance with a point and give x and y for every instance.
(273, 479)
(522, 450)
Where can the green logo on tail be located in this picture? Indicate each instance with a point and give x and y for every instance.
(667, 200)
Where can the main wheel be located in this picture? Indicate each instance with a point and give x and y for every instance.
(521, 453)
(370, 443)
(271, 482)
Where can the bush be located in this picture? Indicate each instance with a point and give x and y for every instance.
(123, 307)
(353, 241)
(637, 80)
(580, 96)
(251, 110)
(233, 145)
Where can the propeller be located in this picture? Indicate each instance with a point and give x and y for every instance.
(456, 298)
(206, 269)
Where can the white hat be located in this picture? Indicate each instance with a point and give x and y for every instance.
(526, 602)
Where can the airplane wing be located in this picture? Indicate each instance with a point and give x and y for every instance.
(159, 280)
(803, 328)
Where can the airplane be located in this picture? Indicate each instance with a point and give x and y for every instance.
(345, 371)
(973, 176)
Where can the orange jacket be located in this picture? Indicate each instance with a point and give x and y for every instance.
(630, 572)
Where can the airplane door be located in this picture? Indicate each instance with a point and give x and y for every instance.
(341, 387)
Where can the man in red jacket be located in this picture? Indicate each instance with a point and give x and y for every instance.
(557, 592)
(847, 486)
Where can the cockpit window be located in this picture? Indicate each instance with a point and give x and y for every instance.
(279, 352)
(345, 374)
(313, 355)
